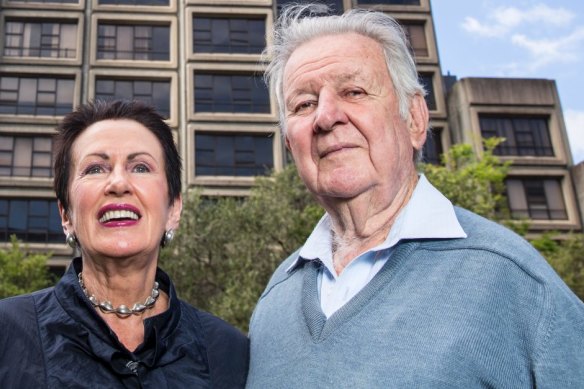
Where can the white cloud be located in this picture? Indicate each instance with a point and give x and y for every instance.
(575, 128)
(546, 51)
(503, 20)
(526, 30)
(474, 26)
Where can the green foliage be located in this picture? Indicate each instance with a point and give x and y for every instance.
(226, 249)
(477, 184)
(22, 272)
(566, 257)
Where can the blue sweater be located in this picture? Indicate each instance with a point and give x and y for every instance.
(482, 312)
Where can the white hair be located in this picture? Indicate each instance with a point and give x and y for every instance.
(299, 24)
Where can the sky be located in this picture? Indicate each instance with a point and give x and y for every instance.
(518, 38)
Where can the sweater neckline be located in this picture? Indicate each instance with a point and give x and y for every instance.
(319, 326)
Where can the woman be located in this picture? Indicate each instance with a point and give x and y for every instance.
(114, 319)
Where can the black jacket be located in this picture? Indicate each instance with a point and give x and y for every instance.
(54, 338)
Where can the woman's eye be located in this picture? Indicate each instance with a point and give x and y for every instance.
(93, 169)
(141, 168)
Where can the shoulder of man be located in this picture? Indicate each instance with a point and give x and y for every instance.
(559, 344)
(282, 272)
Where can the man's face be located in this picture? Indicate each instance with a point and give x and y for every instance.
(343, 125)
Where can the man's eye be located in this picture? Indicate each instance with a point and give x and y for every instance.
(141, 168)
(355, 93)
(304, 106)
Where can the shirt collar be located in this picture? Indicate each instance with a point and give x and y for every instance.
(427, 215)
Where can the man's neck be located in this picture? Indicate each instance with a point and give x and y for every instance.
(363, 222)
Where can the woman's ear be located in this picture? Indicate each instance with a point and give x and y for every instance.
(174, 214)
(65, 219)
(418, 121)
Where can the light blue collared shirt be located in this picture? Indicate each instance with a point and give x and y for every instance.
(428, 214)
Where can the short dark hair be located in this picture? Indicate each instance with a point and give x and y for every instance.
(74, 123)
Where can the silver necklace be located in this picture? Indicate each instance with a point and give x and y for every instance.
(122, 311)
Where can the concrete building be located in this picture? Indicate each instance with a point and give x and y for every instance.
(198, 62)
(528, 114)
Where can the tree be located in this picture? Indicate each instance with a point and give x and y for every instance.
(22, 272)
(566, 257)
(226, 249)
(477, 184)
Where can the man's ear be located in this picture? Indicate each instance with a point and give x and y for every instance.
(418, 121)
(174, 215)
(65, 220)
(287, 142)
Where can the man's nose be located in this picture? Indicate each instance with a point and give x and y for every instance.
(329, 112)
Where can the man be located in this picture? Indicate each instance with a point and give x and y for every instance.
(395, 287)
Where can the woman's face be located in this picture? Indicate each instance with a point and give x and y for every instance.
(119, 204)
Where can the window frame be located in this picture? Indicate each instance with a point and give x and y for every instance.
(555, 126)
(227, 69)
(154, 75)
(566, 186)
(42, 17)
(236, 166)
(424, 6)
(40, 5)
(238, 12)
(144, 20)
(149, 10)
(427, 21)
(543, 148)
(40, 72)
(57, 233)
(543, 205)
(233, 182)
(31, 161)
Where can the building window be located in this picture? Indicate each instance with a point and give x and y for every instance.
(389, 2)
(235, 93)
(536, 198)
(523, 135)
(138, 42)
(46, 1)
(235, 35)
(36, 95)
(336, 6)
(433, 147)
(416, 34)
(427, 81)
(25, 156)
(154, 92)
(45, 39)
(31, 220)
(233, 154)
(135, 2)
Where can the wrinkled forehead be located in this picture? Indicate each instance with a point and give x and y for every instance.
(336, 58)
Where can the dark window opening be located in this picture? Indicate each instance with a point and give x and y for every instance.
(235, 93)
(523, 135)
(233, 154)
